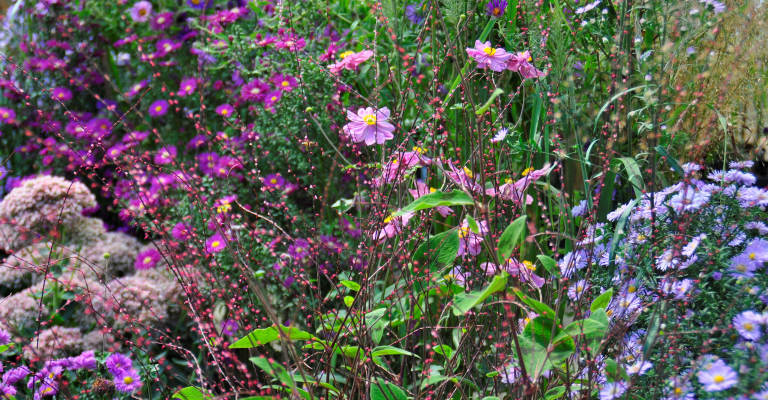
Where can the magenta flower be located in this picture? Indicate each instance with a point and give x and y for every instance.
(285, 83)
(147, 259)
(158, 108)
(489, 57)
(128, 381)
(215, 243)
(254, 90)
(515, 190)
(471, 242)
(141, 11)
(225, 110)
(187, 87)
(521, 63)
(350, 60)
(116, 363)
(181, 231)
(7, 115)
(162, 21)
(392, 226)
(61, 94)
(369, 126)
(272, 98)
(165, 155)
(273, 181)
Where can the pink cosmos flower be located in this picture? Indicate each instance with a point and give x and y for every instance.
(350, 60)
(399, 165)
(464, 177)
(525, 271)
(515, 191)
(392, 226)
(369, 126)
(489, 57)
(469, 241)
(521, 62)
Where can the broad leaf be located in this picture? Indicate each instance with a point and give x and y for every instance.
(537, 306)
(263, 336)
(383, 390)
(390, 351)
(602, 301)
(436, 199)
(463, 302)
(189, 393)
(351, 285)
(512, 237)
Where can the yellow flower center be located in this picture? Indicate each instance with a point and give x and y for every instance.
(489, 51)
(640, 237)
(508, 180)
(273, 98)
(529, 265)
(719, 378)
(48, 390)
(223, 208)
(748, 327)
(215, 244)
(419, 150)
(159, 108)
(147, 260)
(463, 231)
(188, 88)
(752, 256)
(741, 267)
(631, 289)
(224, 112)
(273, 181)
(370, 119)
(388, 219)
(527, 171)
(496, 11)
(345, 54)
(678, 391)
(432, 190)
(143, 12)
(6, 115)
(161, 20)
(127, 380)
(286, 83)
(468, 173)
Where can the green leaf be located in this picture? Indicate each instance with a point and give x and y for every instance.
(260, 337)
(633, 174)
(351, 285)
(189, 393)
(463, 302)
(383, 390)
(379, 351)
(348, 300)
(354, 352)
(5, 347)
(273, 369)
(444, 350)
(670, 160)
(614, 371)
(487, 104)
(539, 355)
(554, 393)
(538, 307)
(602, 301)
(446, 243)
(549, 264)
(473, 224)
(512, 236)
(436, 199)
(588, 327)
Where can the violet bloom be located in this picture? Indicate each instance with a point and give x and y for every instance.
(748, 325)
(147, 259)
(181, 231)
(273, 181)
(16, 374)
(162, 21)
(496, 8)
(7, 115)
(187, 87)
(225, 110)
(5, 337)
(86, 360)
(165, 155)
(369, 126)
(158, 108)
(299, 249)
(757, 252)
(469, 241)
(61, 94)
(128, 381)
(284, 82)
(199, 4)
(612, 390)
(515, 191)
(350, 61)
(489, 57)
(392, 226)
(215, 243)
(717, 376)
(141, 11)
(254, 91)
(229, 327)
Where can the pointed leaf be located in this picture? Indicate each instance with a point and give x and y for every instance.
(436, 199)
(263, 336)
(512, 237)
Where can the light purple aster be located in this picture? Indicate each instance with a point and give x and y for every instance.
(5, 337)
(612, 390)
(117, 363)
(86, 360)
(757, 251)
(752, 197)
(16, 374)
(748, 324)
(369, 126)
(128, 381)
(717, 376)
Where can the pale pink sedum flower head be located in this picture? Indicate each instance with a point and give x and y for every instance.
(350, 60)
(489, 57)
(369, 126)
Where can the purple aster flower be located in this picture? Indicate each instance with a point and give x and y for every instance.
(640, 367)
(285, 83)
(489, 57)
(147, 259)
(496, 8)
(225, 110)
(162, 21)
(577, 289)
(717, 376)
(7, 115)
(299, 249)
(141, 11)
(271, 98)
(165, 155)
(679, 389)
(5, 337)
(127, 381)
(47, 389)
(612, 390)
(369, 126)
(759, 226)
(199, 4)
(86, 360)
(752, 197)
(229, 327)
(158, 108)
(6, 390)
(16, 374)
(181, 231)
(588, 7)
(187, 86)
(254, 91)
(741, 164)
(412, 12)
(757, 251)
(748, 324)
(61, 94)
(116, 363)
(215, 243)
